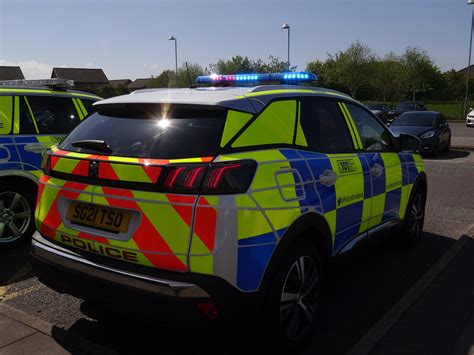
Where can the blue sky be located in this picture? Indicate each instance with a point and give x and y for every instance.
(129, 39)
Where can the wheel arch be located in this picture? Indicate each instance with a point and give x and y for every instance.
(25, 181)
(309, 228)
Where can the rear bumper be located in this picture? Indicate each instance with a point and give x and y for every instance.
(131, 291)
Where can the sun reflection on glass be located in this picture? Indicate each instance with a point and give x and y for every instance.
(164, 123)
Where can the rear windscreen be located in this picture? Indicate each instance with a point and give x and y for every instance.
(152, 131)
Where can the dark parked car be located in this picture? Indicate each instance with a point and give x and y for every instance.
(405, 107)
(379, 110)
(431, 127)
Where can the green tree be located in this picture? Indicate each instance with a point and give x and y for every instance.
(166, 79)
(454, 85)
(351, 69)
(389, 78)
(244, 65)
(420, 70)
(187, 75)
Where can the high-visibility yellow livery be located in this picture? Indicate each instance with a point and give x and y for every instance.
(222, 202)
(34, 115)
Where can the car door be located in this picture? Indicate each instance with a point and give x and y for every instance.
(9, 159)
(444, 130)
(336, 167)
(40, 122)
(382, 162)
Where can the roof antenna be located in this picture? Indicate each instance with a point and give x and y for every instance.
(191, 86)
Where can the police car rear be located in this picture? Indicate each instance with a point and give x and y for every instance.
(224, 201)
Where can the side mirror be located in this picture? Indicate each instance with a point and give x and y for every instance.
(409, 143)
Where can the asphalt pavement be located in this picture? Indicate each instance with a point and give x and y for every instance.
(379, 299)
(462, 136)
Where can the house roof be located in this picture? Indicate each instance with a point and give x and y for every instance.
(119, 82)
(81, 75)
(11, 73)
(139, 84)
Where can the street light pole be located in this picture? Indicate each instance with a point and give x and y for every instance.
(466, 99)
(285, 26)
(173, 38)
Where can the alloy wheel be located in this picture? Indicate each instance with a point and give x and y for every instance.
(299, 297)
(15, 216)
(416, 217)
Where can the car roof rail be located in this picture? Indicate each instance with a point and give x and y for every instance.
(55, 83)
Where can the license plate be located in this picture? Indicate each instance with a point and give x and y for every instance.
(99, 217)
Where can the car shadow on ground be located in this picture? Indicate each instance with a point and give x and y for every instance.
(362, 285)
(15, 264)
(452, 154)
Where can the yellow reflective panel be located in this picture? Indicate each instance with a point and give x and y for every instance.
(16, 118)
(274, 125)
(350, 182)
(300, 136)
(82, 107)
(378, 206)
(78, 110)
(393, 171)
(6, 111)
(252, 223)
(404, 200)
(234, 122)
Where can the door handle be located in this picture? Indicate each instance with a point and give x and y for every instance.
(328, 178)
(36, 147)
(376, 170)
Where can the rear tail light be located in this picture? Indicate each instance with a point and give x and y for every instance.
(195, 178)
(229, 178)
(182, 178)
(216, 179)
(46, 164)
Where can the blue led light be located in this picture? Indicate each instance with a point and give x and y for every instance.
(284, 78)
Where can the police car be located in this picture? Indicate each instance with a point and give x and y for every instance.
(34, 115)
(224, 201)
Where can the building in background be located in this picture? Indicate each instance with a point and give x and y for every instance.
(138, 84)
(119, 83)
(11, 73)
(464, 72)
(85, 79)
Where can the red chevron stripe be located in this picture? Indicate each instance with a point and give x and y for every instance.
(205, 223)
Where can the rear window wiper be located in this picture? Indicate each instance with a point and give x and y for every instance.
(93, 144)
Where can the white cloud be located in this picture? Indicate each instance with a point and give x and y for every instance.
(152, 68)
(31, 69)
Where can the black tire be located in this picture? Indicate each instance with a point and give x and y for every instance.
(435, 152)
(17, 208)
(292, 298)
(447, 148)
(411, 230)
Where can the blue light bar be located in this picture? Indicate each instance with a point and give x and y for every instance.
(245, 79)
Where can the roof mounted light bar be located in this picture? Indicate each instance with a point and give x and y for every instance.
(254, 79)
(52, 83)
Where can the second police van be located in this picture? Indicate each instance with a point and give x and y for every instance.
(226, 202)
(34, 115)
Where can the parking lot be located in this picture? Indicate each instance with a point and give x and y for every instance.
(366, 285)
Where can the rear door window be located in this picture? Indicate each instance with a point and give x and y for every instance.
(155, 131)
(53, 114)
(324, 127)
(27, 122)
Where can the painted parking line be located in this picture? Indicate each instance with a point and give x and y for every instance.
(9, 296)
(367, 343)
